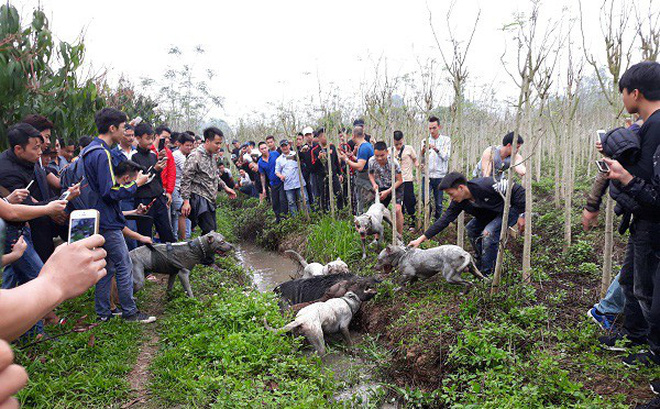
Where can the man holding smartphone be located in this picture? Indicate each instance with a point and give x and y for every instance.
(108, 193)
(17, 166)
(153, 192)
(161, 148)
(636, 181)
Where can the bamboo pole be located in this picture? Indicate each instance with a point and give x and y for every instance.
(393, 173)
(331, 192)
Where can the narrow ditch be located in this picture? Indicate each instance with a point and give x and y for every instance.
(269, 269)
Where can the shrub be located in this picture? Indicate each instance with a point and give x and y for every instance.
(331, 238)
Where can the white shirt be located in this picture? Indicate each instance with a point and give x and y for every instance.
(179, 162)
(439, 162)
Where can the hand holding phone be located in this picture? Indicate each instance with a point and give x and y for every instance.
(147, 207)
(83, 224)
(602, 166)
(74, 268)
(56, 207)
(18, 196)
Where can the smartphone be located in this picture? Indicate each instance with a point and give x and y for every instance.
(83, 224)
(602, 166)
(161, 144)
(600, 134)
(65, 195)
(146, 209)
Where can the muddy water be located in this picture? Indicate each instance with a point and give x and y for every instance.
(269, 269)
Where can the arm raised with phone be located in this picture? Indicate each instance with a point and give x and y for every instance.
(70, 271)
(18, 212)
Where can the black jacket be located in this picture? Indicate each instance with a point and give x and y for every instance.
(16, 173)
(306, 159)
(320, 167)
(148, 158)
(644, 189)
(486, 205)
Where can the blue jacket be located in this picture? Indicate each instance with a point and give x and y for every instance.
(101, 178)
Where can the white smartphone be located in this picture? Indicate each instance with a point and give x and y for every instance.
(83, 224)
(600, 134)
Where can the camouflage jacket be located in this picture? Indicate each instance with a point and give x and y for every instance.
(201, 175)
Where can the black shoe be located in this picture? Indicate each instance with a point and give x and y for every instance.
(647, 359)
(655, 386)
(101, 318)
(617, 342)
(653, 404)
(140, 317)
(116, 312)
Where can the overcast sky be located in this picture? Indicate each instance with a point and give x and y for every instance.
(271, 51)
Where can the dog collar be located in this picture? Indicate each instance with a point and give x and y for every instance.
(198, 242)
(349, 305)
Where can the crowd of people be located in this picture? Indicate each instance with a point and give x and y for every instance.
(152, 184)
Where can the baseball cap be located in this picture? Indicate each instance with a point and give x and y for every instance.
(307, 130)
(284, 142)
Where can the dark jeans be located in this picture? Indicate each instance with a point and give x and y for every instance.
(646, 277)
(434, 188)
(484, 236)
(207, 222)
(293, 197)
(126, 205)
(120, 266)
(43, 242)
(278, 200)
(634, 325)
(249, 190)
(409, 199)
(24, 269)
(309, 188)
(323, 184)
(161, 219)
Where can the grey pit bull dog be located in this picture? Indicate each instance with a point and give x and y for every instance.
(327, 317)
(415, 263)
(371, 222)
(176, 259)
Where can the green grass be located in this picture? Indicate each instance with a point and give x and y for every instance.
(330, 238)
(215, 351)
(82, 370)
(530, 345)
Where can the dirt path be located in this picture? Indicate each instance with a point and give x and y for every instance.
(140, 376)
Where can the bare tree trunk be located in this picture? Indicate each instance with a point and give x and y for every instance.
(420, 189)
(427, 184)
(568, 178)
(303, 191)
(609, 244)
(331, 192)
(394, 215)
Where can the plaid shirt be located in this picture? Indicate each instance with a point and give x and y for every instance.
(201, 175)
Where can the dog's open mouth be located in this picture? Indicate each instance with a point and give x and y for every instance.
(223, 251)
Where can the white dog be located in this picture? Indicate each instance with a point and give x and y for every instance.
(326, 317)
(318, 269)
(371, 222)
